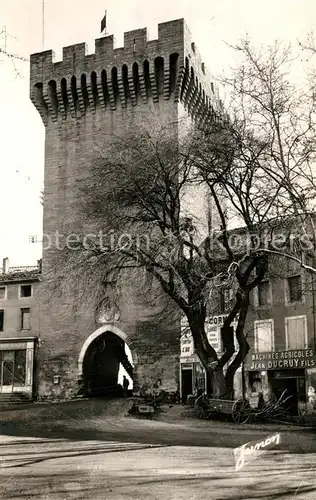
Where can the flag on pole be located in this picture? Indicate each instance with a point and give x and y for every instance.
(103, 23)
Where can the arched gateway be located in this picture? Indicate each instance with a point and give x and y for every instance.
(100, 358)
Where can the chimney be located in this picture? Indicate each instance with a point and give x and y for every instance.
(5, 265)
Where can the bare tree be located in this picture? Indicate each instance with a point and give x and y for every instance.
(280, 115)
(309, 45)
(150, 187)
(254, 167)
(6, 54)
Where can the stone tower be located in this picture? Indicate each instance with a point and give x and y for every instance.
(81, 99)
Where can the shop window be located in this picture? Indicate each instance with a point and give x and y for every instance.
(296, 332)
(1, 319)
(2, 292)
(264, 293)
(25, 291)
(7, 363)
(25, 318)
(264, 335)
(19, 368)
(294, 285)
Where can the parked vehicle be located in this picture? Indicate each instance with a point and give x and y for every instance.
(241, 411)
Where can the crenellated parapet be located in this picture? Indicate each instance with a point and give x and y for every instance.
(169, 68)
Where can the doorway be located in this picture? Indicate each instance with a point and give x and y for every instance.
(294, 385)
(7, 371)
(187, 382)
(104, 364)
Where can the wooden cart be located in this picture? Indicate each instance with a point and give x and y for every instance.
(239, 410)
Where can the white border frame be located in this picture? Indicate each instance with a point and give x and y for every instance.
(301, 316)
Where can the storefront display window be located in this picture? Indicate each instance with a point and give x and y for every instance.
(19, 368)
(12, 368)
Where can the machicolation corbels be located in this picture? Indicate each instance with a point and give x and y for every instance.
(163, 69)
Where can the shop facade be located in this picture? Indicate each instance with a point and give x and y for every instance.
(273, 372)
(19, 329)
(17, 366)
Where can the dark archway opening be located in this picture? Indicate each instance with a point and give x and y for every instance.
(106, 360)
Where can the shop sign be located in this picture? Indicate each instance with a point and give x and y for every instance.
(214, 337)
(213, 325)
(13, 347)
(281, 360)
(189, 359)
(219, 320)
(187, 365)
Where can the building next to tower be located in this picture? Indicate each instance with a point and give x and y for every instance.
(82, 101)
(281, 331)
(19, 331)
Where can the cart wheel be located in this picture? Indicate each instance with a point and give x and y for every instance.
(200, 412)
(241, 411)
(302, 413)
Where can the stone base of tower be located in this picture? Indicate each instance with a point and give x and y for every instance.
(152, 375)
(57, 378)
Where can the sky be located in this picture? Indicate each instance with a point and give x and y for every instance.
(213, 24)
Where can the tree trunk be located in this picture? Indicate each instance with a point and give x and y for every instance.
(219, 386)
(207, 356)
(243, 346)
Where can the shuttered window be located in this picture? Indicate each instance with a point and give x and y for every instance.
(264, 335)
(296, 332)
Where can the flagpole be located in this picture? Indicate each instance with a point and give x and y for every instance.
(103, 24)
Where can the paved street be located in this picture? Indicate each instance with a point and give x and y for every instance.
(111, 470)
(86, 449)
(96, 420)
